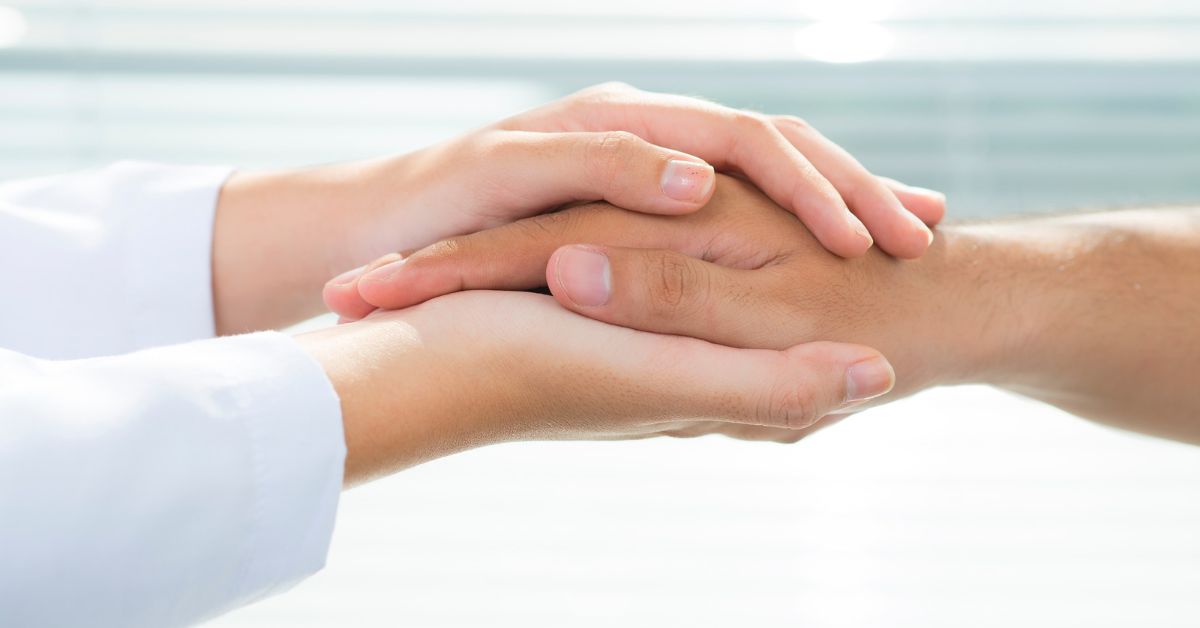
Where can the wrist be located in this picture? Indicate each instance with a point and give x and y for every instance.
(1004, 289)
(403, 402)
(377, 431)
(975, 313)
(279, 236)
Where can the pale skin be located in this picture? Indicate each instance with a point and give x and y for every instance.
(1095, 313)
(466, 370)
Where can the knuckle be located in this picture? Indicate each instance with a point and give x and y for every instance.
(671, 280)
(794, 123)
(546, 226)
(751, 122)
(791, 406)
(606, 155)
(441, 250)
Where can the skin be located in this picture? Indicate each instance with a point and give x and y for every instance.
(476, 368)
(1094, 313)
(463, 370)
(646, 152)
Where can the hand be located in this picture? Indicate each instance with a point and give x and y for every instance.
(739, 272)
(652, 153)
(800, 169)
(299, 228)
(475, 368)
(616, 143)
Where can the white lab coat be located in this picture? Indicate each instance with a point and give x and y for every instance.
(143, 484)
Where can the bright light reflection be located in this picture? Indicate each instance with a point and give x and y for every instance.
(12, 26)
(844, 41)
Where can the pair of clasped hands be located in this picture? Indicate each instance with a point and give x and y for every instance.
(682, 301)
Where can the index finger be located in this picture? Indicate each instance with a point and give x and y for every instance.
(512, 256)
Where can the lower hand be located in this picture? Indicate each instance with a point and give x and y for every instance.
(474, 368)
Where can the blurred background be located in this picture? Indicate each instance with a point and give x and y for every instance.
(957, 507)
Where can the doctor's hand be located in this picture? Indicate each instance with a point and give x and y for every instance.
(475, 368)
(651, 153)
(739, 272)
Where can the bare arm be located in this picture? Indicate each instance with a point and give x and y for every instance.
(1101, 312)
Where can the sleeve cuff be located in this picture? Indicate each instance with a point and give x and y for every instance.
(298, 451)
(168, 244)
(166, 486)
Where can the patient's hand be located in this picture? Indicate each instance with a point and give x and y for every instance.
(740, 272)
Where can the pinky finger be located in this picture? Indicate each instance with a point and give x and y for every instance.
(928, 205)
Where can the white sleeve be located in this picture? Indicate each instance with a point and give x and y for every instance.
(107, 261)
(166, 486)
(161, 487)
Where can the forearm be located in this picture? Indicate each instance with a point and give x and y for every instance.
(1096, 313)
(279, 236)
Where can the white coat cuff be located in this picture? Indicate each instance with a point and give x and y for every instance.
(294, 420)
(168, 243)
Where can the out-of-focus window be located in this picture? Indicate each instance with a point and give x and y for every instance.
(1013, 106)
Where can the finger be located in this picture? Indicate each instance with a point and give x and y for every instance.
(793, 389)
(512, 256)
(665, 292)
(661, 291)
(896, 230)
(341, 294)
(546, 169)
(726, 138)
(928, 205)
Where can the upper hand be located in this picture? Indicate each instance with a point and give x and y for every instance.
(647, 152)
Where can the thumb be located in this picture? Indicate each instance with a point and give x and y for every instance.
(610, 371)
(792, 389)
(841, 376)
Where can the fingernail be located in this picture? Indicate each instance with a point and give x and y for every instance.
(584, 274)
(385, 273)
(687, 181)
(347, 277)
(869, 379)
